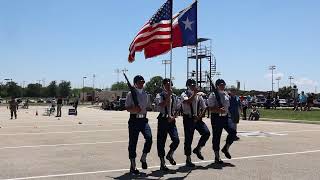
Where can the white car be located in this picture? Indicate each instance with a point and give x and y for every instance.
(283, 103)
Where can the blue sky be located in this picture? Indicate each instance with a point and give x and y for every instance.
(69, 39)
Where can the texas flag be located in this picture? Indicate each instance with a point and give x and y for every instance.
(156, 35)
(184, 31)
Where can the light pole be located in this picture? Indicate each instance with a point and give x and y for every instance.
(278, 79)
(290, 78)
(272, 68)
(165, 62)
(124, 70)
(83, 78)
(118, 71)
(93, 79)
(218, 74)
(23, 87)
(8, 79)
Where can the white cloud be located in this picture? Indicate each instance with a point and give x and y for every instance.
(306, 82)
(275, 75)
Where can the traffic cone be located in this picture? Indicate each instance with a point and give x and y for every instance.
(36, 112)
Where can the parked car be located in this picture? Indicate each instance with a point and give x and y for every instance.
(18, 100)
(316, 102)
(261, 102)
(32, 101)
(283, 103)
(40, 101)
(1, 100)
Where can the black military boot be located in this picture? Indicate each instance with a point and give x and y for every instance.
(143, 161)
(197, 151)
(163, 166)
(133, 169)
(189, 163)
(170, 158)
(225, 150)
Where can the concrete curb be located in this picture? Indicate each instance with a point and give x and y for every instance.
(291, 121)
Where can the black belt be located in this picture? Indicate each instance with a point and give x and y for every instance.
(219, 115)
(161, 115)
(138, 116)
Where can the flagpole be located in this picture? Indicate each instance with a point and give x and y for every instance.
(197, 72)
(171, 46)
(171, 56)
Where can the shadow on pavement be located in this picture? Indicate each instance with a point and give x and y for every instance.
(158, 174)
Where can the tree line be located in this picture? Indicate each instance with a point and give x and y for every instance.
(12, 89)
(63, 89)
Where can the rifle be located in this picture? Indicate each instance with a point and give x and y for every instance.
(133, 91)
(216, 93)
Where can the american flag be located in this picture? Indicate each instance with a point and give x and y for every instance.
(155, 36)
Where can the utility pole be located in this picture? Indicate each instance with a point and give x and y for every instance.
(118, 71)
(272, 68)
(278, 79)
(83, 78)
(218, 74)
(93, 79)
(165, 62)
(290, 78)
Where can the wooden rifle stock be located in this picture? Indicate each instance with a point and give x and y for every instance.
(132, 90)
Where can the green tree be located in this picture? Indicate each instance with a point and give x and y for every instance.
(119, 86)
(13, 89)
(33, 90)
(76, 92)
(178, 92)
(3, 90)
(154, 85)
(64, 89)
(52, 89)
(284, 92)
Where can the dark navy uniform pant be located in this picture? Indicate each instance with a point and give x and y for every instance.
(189, 126)
(165, 128)
(135, 127)
(218, 124)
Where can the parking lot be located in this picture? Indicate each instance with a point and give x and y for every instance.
(93, 145)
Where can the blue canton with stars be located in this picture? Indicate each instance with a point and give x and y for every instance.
(188, 25)
(164, 13)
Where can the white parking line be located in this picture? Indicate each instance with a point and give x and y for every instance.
(72, 144)
(154, 167)
(65, 132)
(40, 126)
(124, 141)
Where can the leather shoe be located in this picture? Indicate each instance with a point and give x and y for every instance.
(218, 161)
(171, 160)
(164, 168)
(144, 165)
(198, 153)
(134, 171)
(226, 152)
(190, 164)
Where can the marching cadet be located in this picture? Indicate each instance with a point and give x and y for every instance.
(137, 123)
(234, 111)
(219, 121)
(192, 120)
(167, 124)
(13, 106)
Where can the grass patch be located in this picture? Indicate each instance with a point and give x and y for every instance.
(313, 115)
